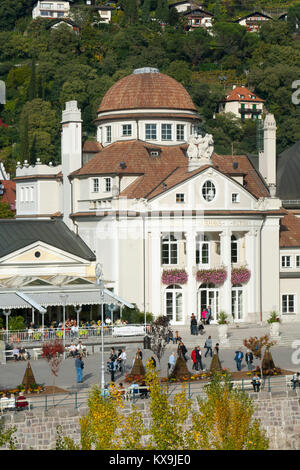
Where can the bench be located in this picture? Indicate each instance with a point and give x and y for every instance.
(133, 393)
(9, 404)
(289, 383)
(245, 385)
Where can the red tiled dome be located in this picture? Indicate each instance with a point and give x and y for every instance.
(146, 90)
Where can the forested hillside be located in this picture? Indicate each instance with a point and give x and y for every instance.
(45, 67)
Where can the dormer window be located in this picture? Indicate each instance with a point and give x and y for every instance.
(180, 132)
(108, 134)
(150, 132)
(126, 130)
(95, 185)
(107, 185)
(166, 132)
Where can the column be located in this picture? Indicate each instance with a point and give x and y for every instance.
(251, 255)
(225, 290)
(156, 273)
(191, 290)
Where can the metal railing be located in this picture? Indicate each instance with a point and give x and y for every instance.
(79, 398)
(29, 336)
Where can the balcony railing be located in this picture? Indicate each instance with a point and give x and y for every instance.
(46, 334)
(249, 111)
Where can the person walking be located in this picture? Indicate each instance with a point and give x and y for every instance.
(181, 350)
(194, 329)
(249, 359)
(112, 367)
(208, 315)
(193, 356)
(238, 359)
(208, 346)
(122, 361)
(203, 315)
(79, 365)
(198, 358)
(216, 348)
(171, 363)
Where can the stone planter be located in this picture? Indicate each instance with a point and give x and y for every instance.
(275, 330)
(223, 334)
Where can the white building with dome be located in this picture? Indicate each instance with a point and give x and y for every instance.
(176, 226)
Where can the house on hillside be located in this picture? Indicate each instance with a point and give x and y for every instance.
(253, 21)
(243, 103)
(198, 18)
(51, 9)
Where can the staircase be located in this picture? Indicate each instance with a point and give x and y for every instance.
(236, 334)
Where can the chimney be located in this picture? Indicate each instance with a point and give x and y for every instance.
(71, 153)
(267, 158)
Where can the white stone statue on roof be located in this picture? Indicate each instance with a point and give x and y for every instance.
(200, 150)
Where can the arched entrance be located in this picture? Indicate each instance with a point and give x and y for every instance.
(208, 295)
(174, 304)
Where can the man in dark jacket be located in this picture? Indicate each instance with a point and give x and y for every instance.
(79, 367)
(182, 350)
(198, 358)
(238, 358)
(249, 359)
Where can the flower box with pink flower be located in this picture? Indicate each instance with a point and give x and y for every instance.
(212, 276)
(174, 276)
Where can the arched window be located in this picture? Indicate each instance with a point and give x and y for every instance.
(169, 252)
(174, 303)
(234, 249)
(202, 250)
(208, 296)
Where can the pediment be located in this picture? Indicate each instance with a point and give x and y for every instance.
(192, 189)
(40, 253)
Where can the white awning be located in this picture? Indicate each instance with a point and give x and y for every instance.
(75, 297)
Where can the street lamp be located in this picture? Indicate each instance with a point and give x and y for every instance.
(99, 282)
(6, 313)
(64, 298)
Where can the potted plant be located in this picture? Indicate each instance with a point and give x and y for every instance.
(274, 322)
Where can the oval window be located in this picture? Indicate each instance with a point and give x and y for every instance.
(208, 191)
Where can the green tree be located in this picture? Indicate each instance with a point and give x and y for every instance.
(162, 11)
(5, 211)
(225, 420)
(146, 11)
(32, 91)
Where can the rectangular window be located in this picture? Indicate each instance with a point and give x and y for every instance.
(298, 261)
(60, 14)
(169, 251)
(108, 133)
(286, 261)
(288, 303)
(166, 132)
(180, 197)
(107, 185)
(150, 132)
(180, 132)
(95, 185)
(126, 130)
(202, 253)
(235, 198)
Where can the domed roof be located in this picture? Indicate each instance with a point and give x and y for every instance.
(146, 88)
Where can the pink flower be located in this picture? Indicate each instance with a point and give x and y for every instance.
(174, 276)
(213, 276)
(240, 275)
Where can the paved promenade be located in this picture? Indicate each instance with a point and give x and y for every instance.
(284, 356)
